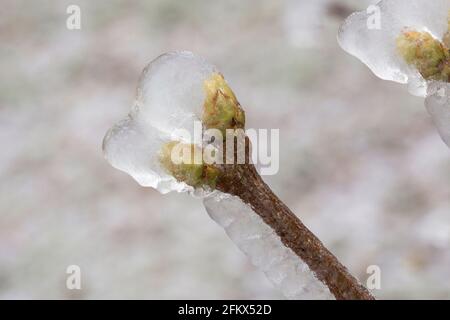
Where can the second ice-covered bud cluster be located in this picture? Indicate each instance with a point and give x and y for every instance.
(157, 144)
(406, 41)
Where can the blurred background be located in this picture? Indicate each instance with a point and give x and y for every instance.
(361, 163)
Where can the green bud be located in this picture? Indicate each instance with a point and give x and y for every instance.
(425, 53)
(221, 110)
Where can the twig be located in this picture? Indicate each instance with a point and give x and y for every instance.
(244, 182)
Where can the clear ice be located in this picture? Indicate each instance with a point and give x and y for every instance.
(169, 97)
(264, 248)
(376, 47)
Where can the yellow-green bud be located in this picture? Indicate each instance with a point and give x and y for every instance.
(184, 162)
(428, 55)
(221, 111)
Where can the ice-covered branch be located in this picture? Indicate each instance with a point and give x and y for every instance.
(159, 146)
(312, 257)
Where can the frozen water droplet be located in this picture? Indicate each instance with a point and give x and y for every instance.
(264, 248)
(133, 148)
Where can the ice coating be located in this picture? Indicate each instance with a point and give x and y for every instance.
(376, 47)
(263, 246)
(438, 106)
(169, 97)
(305, 23)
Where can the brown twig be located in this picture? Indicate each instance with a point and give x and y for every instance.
(244, 182)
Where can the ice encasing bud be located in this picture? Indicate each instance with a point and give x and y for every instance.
(170, 97)
(376, 45)
(184, 162)
(176, 91)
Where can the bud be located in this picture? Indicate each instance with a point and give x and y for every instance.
(221, 109)
(184, 162)
(425, 53)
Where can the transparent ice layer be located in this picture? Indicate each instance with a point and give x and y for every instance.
(376, 47)
(438, 106)
(169, 97)
(263, 246)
